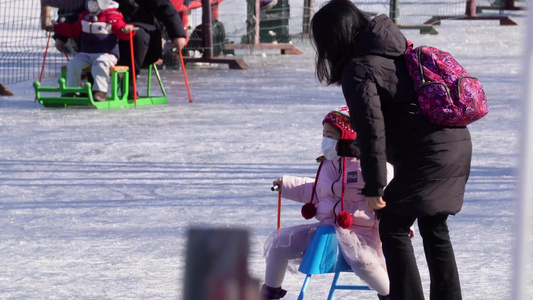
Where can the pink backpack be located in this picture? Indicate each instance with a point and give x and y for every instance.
(447, 94)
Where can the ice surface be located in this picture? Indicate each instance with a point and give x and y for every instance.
(96, 203)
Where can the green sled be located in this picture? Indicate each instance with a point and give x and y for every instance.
(117, 98)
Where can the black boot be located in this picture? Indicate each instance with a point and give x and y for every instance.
(270, 293)
(383, 297)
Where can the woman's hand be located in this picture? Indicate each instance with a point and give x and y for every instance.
(179, 43)
(128, 28)
(374, 203)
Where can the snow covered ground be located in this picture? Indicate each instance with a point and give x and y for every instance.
(96, 203)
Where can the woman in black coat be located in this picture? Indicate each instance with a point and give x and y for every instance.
(431, 163)
(148, 15)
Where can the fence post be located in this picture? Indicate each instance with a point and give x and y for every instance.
(523, 206)
(207, 28)
(308, 14)
(45, 17)
(257, 14)
(394, 11)
(471, 8)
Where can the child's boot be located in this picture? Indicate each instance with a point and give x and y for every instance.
(99, 96)
(270, 293)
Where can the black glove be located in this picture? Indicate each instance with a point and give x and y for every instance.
(348, 148)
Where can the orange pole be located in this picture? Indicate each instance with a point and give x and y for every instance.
(45, 52)
(44, 58)
(185, 76)
(133, 69)
(279, 209)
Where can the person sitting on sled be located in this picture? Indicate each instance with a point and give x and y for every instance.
(356, 226)
(100, 27)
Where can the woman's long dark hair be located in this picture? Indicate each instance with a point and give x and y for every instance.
(335, 28)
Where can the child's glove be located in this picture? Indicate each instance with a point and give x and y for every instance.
(276, 184)
(348, 148)
(51, 27)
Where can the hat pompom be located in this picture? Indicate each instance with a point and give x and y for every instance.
(344, 219)
(308, 211)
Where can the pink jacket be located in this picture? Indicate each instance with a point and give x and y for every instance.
(328, 193)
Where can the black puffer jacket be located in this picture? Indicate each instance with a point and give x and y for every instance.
(144, 13)
(431, 162)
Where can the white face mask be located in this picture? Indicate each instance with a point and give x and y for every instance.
(329, 146)
(92, 6)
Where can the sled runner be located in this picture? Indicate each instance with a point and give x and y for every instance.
(118, 96)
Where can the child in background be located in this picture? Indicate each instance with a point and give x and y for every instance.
(100, 27)
(356, 227)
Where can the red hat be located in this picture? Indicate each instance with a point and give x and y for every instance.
(341, 119)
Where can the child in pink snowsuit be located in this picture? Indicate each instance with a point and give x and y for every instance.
(359, 239)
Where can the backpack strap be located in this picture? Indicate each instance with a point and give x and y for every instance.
(412, 107)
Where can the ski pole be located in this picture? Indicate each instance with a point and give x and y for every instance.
(277, 188)
(44, 58)
(185, 76)
(279, 209)
(133, 68)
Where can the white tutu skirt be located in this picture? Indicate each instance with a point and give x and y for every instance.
(361, 251)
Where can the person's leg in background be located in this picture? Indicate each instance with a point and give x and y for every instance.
(405, 282)
(141, 43)
(155, 48)
(440, 257)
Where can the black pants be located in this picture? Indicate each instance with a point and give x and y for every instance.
(147, 48)
(403, 272)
